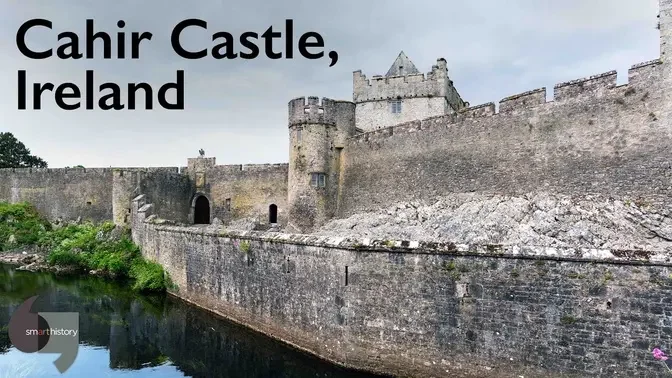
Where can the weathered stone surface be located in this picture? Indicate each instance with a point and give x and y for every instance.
(541, 219)
(427, 309)
(593, 138)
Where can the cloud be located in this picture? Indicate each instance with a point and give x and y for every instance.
(237, 110)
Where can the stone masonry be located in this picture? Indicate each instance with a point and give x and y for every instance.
(559, 266)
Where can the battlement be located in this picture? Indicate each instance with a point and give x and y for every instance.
(312, 110)
(92, 171)
(522, 100)
(236, 169)
(434, 84)
(595, 87)
(200, 163)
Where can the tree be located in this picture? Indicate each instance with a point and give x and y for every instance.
(14, 154)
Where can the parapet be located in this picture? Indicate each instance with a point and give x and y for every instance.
(89, 171)
(590, 85)
(523, 100)
(644, 72)
(586, 89)
(200, 164)
(435, 83)
(311, 110)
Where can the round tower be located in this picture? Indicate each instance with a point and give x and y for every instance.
(317, 134)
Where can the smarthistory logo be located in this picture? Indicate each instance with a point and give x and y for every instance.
(46, 332)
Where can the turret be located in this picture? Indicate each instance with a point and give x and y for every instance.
(404, 94)
(317, 134)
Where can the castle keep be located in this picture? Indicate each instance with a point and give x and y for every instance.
(416, 307)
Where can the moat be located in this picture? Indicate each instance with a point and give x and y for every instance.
(130, 335)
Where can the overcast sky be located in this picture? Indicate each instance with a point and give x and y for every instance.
(237, 110)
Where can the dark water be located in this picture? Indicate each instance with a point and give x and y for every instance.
(126, 335)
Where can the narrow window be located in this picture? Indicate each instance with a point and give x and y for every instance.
(395, 106)
(228, 204)
(346, 275)
(298, 135)
(318, 180)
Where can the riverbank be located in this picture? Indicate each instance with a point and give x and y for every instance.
(28, 259)
(30, 242)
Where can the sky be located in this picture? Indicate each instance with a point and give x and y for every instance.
(236, 110)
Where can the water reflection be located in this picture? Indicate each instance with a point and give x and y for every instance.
(123, 334)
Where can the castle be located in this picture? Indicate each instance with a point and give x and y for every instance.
(410, 307)
(298, 196)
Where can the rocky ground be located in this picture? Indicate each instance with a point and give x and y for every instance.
(541, 219)
(27, 259)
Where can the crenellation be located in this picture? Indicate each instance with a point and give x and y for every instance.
(311, 110)
(594, 86)
(478, 111)
(414, 78)
(523, 100)
(265, 167)
(644, 73)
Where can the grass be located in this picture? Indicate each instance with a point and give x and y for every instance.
(83, 247)
(245, 246)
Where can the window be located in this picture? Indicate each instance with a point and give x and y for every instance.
(318, 180)
(228, 204)
(298, 135)
(396, 106)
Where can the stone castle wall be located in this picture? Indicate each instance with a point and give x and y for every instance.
(168, 190)
(105, 194)
(594, 137)
(95, 194)
(429, 310)
(61, 193)
(251, 189)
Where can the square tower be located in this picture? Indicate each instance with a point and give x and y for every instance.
(403, 95)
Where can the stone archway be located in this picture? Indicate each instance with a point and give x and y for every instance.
(201, 207)
(273, 214)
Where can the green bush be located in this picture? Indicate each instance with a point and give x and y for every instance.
(20, 225)
(82, 247)
(148, 276)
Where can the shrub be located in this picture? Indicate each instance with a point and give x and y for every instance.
(20, 225)
(82, 247)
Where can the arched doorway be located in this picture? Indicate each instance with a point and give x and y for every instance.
(202, 210)
(272, 214)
